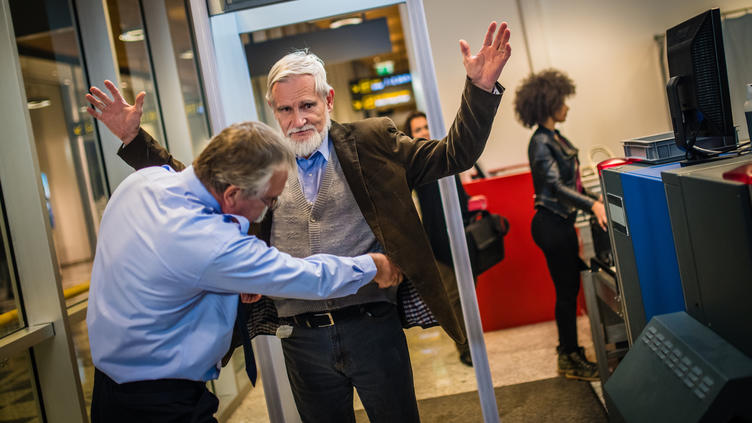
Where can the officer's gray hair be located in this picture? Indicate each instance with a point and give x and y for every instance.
(245, 155)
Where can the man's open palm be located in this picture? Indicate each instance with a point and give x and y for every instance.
(120, 117)
(485, 67)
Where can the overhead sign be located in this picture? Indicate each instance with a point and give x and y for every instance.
(382, 92)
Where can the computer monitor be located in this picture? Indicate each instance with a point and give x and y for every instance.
(698, 92)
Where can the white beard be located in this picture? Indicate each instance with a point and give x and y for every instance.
(308, 146)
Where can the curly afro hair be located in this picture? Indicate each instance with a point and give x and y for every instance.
(541, 95)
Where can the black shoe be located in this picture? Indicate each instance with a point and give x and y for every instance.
(574, 365)
(466, 359)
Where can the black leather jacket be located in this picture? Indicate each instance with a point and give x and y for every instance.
(553, 166)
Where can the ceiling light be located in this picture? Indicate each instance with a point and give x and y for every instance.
(132, 35)
(38, 103)
(187, 55)
(345, 21)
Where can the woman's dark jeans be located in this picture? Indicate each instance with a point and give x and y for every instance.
(557, 238)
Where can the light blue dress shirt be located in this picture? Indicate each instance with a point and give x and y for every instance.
(166, 275)
(311, 170)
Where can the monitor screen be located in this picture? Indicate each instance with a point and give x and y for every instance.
(698, 93)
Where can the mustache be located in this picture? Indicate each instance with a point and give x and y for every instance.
(305, 127)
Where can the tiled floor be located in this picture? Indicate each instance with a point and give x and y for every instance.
(516, 355)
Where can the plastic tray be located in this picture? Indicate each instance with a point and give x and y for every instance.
(653, 148)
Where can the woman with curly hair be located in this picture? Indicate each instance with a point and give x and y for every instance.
(541, 102)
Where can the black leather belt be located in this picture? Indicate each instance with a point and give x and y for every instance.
(323, 319)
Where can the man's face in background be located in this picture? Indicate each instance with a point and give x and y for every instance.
(419, 128)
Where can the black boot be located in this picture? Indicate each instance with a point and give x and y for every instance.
(465, 358)
(574, 365)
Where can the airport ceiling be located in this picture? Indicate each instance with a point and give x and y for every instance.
(56, 40)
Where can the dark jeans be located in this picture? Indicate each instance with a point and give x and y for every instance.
(162, 400)
(368, 352)
(557, 238)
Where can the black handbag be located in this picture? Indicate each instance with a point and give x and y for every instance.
(485, 240)
(601, 243)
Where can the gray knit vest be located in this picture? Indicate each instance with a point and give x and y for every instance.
(333, 224)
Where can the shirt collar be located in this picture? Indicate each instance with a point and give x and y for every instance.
(196, 187)
(323, 149)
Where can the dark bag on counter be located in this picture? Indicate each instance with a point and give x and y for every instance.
(485, 240)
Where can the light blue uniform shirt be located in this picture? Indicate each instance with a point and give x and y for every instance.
(311, 170)
(166, 275)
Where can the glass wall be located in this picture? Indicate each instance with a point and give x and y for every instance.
(72, 174)
(19, 397)
(10, 318)
(133, 61)
(187, 67)
(69, 155)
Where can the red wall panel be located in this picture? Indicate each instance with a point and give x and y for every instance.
(518, 290)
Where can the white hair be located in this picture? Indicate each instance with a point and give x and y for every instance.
(299, 62)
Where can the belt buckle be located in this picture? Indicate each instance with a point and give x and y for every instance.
(331, 319)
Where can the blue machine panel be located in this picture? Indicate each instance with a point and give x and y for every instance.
(652, 240)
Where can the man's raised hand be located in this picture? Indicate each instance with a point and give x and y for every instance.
(120, 117)
(484, 68)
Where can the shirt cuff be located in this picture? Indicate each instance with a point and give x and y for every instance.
(366, 265)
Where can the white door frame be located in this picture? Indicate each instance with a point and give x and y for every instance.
(230, 99)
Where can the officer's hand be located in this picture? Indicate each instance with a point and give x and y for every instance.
(387, 273)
